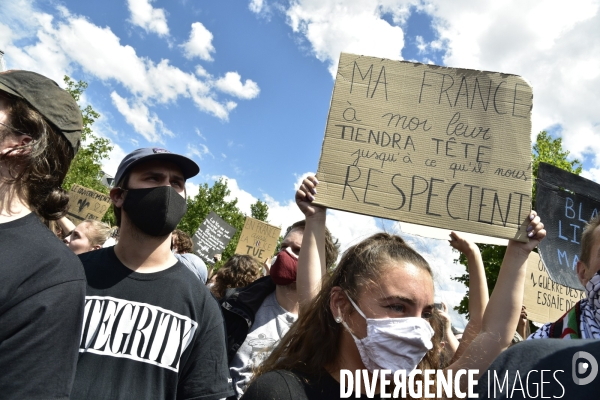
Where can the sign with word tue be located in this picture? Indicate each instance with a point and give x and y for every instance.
(85, 203)
(566, 203)
(258, 239)
(429, 145)
(546, 300)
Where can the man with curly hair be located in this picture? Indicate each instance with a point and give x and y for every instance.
(43, 283)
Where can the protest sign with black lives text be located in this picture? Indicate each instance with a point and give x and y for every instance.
(567, 203)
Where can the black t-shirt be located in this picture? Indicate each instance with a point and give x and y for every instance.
(288, 385)
(149, 336)
(544, 369)
(42, 292)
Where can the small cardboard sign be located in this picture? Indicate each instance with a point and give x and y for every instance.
(566, 203)
(85, 203)
(546, 300)
(258, 239)
(436, 146)
(212, 237)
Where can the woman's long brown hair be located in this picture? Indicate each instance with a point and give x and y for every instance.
(312, 343)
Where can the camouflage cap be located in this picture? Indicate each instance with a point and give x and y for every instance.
(46, 97)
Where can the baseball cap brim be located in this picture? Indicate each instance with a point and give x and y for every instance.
(56, 105)
(188, 167)
(9, 90)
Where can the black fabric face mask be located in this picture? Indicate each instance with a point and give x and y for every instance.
(155, 211)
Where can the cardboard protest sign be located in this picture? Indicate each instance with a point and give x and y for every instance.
(429, 145)
(86, 203)
(213, 235)
(258, 239)
(566, 202)
(546, 300)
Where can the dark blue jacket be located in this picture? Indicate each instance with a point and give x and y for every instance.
(239, 308)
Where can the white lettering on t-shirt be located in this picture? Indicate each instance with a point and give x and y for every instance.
(138, 331)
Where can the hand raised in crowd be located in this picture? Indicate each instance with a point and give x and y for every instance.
(461, 244)
(267, 265)
(522, 325)
(312, 260)
(478, 290)
(305, 196)
(443, 313)
(450, 340)
(535, 233)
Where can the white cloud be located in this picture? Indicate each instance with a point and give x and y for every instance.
(232, 84)
(421, 45)
(110, 164)
(147, 17)
(199, 150)
(59, 45)
(352, 26)
(200, 134)
(592, 174)
(141, 118)
(201, 72)
(244, 198)
(191, 189)
(199, 43)
(351, 228)
(256, 6)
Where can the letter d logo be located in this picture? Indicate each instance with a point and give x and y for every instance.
(583, 367)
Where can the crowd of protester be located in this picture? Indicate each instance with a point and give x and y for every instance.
(94, 312)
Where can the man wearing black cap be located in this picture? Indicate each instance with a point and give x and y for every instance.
(42, 282)
(151, 328)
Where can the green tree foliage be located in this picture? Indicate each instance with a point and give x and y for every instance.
(87, 164)
(260, 211)
(86, 167)
(550, 151)
(546, 149)
(214, 199)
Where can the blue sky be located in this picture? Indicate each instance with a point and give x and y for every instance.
(243, 87)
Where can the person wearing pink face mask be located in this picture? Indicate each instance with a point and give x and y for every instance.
(260, 314)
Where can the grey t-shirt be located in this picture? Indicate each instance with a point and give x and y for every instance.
(195, 264)
(271, 323)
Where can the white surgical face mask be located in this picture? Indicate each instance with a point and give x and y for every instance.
(393, 343)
